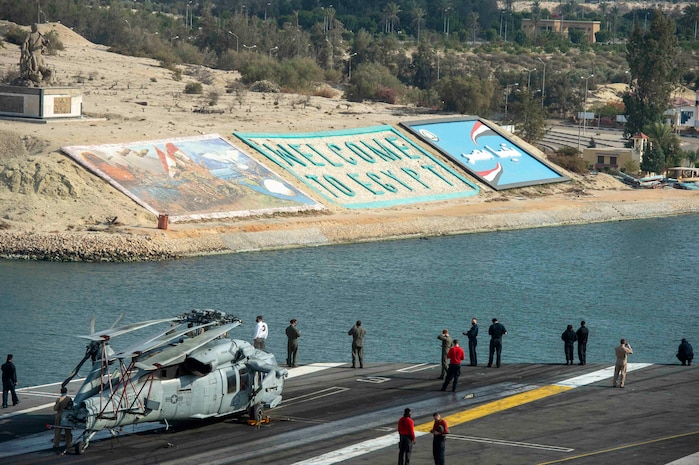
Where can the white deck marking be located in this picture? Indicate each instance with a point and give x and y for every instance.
(373, 379)
(311, 368)
(416, 368)
(26, 410)
(688, 460)
(598, 375)
(502, 442)
(371, 445)
(312, 396)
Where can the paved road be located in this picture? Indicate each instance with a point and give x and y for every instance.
(517, 414)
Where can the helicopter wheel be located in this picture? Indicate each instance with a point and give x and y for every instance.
(80, 448)
(255, 412)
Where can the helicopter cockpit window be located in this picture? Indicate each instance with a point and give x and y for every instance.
(244, 379)
(232, 382)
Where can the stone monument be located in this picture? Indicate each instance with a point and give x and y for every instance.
(33, 69)
(33, 96)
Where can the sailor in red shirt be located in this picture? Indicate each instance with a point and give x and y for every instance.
(456, 356)
(406, 431)
(439, 432)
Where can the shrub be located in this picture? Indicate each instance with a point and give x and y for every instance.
(567, 158)
(213, 98)
(265, 86)
(374, 81)
(15, 35)
(55, 43)
(193, 88)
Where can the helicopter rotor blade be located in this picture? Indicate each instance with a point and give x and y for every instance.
(112, 332)
(121, 315)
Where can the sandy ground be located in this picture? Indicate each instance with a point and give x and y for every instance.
(125, 99)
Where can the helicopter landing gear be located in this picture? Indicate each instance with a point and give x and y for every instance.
(80, 448)
(256, 416)
(82, 444)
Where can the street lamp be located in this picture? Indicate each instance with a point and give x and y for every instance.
(127, 22)
(543, 81)
(529, 77)
(349, 65)
(272, 49)
(507, 95)
(249, 47)
(236, 41)
(267, 5)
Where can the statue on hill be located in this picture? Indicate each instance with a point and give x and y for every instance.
(33, 69)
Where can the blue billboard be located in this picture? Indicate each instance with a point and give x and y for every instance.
(485, 151)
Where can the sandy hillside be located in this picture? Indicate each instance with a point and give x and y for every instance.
(131, 99)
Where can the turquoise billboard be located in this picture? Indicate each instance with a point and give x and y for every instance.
(363, 168)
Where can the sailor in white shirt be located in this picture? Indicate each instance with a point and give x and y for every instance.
(261, 332)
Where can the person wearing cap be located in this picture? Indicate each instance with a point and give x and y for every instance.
(685, 353)
(61, 404)
(406, 433)
(439, 431)
(497, 331)
(446, 345)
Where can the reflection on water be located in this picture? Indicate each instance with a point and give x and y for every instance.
(633, 279)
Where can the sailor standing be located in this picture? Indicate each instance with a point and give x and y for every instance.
(61, 404)
(261, 333)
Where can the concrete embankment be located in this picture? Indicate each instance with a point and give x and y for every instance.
(149, 244)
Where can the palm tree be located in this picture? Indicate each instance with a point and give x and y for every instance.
(444, 6)
(473, 24)
(691, 12)
(391, 11)
(418, 15)
(663, 137)
(614, 14)
(536, 16)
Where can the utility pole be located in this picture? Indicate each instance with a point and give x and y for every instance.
(543, 82)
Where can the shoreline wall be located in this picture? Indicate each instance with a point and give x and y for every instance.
(272, 234)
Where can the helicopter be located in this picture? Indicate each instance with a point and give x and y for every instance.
(192, 370)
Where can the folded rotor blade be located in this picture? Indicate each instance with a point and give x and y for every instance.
(156, 341)
(178, 353)
(112, 332)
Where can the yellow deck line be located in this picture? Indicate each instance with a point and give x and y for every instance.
(497, 406)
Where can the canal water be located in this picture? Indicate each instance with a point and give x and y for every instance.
(632, 279)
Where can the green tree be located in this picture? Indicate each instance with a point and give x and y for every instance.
(662, 136)
(653, 160)
(653, 64)
(691, 16)
(473, 24)
(466, 95)
(529, 118)
(418, 17)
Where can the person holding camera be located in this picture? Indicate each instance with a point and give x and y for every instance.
(439, 435)
(622, 351)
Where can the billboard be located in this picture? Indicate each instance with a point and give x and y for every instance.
(191, 178)
(485, 151)
(362, 168)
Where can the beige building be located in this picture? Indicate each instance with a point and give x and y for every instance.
(562, 27)
(616, 158)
